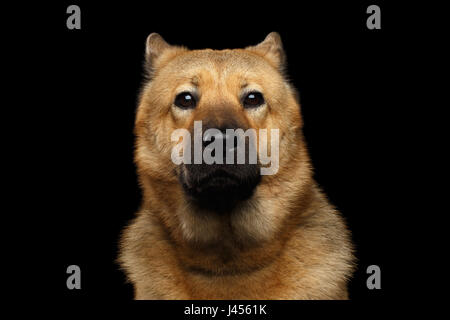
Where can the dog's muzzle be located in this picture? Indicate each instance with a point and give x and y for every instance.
(220, 187)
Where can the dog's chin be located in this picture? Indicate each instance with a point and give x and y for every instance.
(220, 190)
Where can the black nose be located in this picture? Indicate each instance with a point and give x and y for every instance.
(229, 140)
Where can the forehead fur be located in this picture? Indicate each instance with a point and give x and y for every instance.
(222, 62)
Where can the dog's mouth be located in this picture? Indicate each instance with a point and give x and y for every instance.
(217, 187)
(218, 179)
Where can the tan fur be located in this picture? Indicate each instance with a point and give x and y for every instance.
(285, 242)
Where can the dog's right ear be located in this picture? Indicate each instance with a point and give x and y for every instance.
(155, 49)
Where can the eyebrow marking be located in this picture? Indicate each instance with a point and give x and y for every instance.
(194, 81)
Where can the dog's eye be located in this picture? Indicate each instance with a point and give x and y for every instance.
(253, 100)
(185, 100)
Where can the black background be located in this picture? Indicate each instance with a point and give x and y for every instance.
(90, 80)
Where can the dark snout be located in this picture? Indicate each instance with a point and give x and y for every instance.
(221, 181)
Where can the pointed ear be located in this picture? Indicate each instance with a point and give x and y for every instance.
(158, 52)
(272, 49)
(154, 48)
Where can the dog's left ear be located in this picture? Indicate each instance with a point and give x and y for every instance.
(271, 49)
(157, 50)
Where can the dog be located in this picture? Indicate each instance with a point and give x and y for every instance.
(227, 231)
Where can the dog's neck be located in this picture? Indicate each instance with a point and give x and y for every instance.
(209, 243)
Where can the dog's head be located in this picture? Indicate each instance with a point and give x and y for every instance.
(188, 115)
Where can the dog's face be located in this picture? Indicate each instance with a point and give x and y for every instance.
(224, 89)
